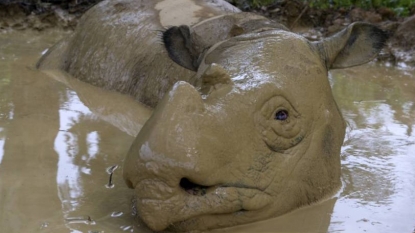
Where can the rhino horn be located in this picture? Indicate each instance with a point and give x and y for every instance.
(355, 45)
(215, 74)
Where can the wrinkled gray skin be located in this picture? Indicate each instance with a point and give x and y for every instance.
(248, 128)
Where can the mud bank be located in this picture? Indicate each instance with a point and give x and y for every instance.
(42, 14)
(310, 22)
(316, 24)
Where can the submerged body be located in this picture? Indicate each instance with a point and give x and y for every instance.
(249, 129)
(117, 45)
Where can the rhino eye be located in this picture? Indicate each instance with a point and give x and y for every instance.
(281, 115)
(279, 123)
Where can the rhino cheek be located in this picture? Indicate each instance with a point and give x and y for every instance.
(328, 141)
(309, 171)
(316, 174)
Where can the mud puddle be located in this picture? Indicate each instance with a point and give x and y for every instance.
(61, 139)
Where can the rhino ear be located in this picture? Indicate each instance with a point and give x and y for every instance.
(179, 46)
(355, 45)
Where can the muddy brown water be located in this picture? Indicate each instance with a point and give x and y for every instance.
(61, 139)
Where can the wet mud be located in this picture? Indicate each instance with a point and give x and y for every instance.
(62, 143)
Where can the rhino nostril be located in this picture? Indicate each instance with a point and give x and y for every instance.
(192, 188)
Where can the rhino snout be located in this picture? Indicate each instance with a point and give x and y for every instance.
(173, 166)
(190, 201)
(172, 189)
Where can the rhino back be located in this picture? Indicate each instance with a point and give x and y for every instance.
(117, 45)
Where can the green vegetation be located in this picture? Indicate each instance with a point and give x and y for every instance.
(400, 7)
(247, 4)
(259, 3)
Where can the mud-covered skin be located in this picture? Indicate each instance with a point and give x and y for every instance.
(249, 129)
(117, 45)
(239, 161)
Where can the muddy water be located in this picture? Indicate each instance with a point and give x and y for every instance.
(61, 139)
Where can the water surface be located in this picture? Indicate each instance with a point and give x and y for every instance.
(60, 139)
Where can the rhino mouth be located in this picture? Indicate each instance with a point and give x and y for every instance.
(193, 188)
(191, 202)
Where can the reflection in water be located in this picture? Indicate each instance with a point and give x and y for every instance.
(6, 107)
(93, 139)
(55, 150)
(66, 145)
(60, 140)
(82, 144)
(378, 156)
(29, 118)
(119, 110)
(1, 144)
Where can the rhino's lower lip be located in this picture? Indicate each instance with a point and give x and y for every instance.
(221, 219)
(159, 214)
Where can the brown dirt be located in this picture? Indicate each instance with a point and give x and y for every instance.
(400, 49)
(316, 24)
(42, 14)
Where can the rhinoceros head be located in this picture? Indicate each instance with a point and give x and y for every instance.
(258, 135)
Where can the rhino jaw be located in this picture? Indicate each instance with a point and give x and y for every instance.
(182, 207)
(165, 199)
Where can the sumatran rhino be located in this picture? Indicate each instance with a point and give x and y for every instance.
(245, 126)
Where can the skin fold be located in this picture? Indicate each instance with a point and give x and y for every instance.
(245, 126)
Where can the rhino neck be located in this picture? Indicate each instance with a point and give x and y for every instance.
(220, 28)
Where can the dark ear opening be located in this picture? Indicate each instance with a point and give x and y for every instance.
(355, 45)
(179, 46)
